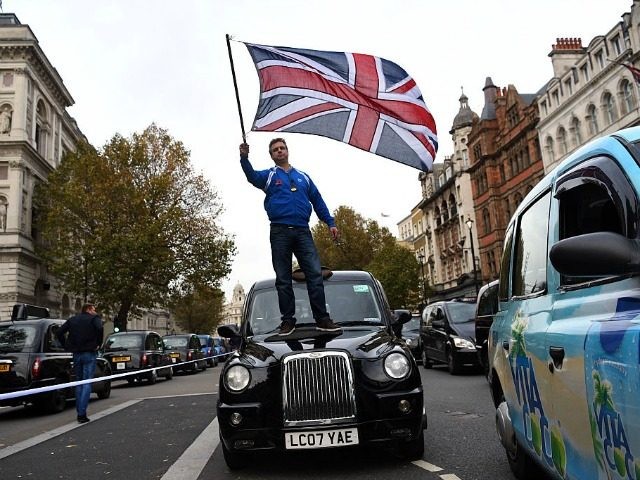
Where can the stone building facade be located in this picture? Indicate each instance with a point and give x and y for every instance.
(506, 163)
(591, 92)
(232, 312)
(35, 132)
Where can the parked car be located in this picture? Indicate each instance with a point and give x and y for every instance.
(366, 386)
(139, 351)
(411, 335)
(32, 357)
(185, 348)
(208, 348)
(448, 334)
(486, 308)
(564, 362)
(220, 348)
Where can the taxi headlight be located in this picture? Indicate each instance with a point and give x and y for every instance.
(463, 343)
(237, 378)
(397, 365)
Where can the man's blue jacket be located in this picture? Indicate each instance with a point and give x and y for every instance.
(284, 206)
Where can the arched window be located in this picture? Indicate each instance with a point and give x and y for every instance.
(453, 207)
(575, 132)
(548, 148)
(436, 214)
(562, 141)
(609, 107)
(627, 98)
(486, 220)
(445, 212)
(42, 127)
(4, 206)
(592, 119)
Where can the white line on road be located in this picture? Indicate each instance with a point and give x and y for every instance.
(427, 466)
(18, 447)
(195, 458)
(449, 476)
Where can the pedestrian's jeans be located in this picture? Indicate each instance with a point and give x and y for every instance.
(84, 366)
(288, 240)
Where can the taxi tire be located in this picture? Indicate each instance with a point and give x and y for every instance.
(105, 391)
(169, 376)
(234, 460)
(55, 402)
(153, 377)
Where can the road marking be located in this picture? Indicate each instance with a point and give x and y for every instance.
(18, 447)
(449, 476)
(195, 458)
(427, 466)
(176, 396)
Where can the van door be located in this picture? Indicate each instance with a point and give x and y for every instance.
(593, 340)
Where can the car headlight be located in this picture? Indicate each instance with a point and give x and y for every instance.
(237, 378)
(397, 365)
(463, 343)
(411, 341)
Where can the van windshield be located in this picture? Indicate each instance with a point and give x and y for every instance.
(461, 312)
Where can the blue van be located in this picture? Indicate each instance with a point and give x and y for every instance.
(564, 346)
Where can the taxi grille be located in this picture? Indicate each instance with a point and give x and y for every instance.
(318, 388)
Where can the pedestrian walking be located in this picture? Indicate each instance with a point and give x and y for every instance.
(290, 195)
(85, 333)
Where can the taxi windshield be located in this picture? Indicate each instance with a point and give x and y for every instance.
(348, 303)
(175, 342)
(17, 338)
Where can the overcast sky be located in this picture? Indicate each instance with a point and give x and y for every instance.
(128, 63)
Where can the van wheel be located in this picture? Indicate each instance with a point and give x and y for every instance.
(426, 363)
(452, 364)
(522, 466)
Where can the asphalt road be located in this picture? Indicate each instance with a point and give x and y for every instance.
(168, 431)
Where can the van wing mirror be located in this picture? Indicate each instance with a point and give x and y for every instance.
(596, 254)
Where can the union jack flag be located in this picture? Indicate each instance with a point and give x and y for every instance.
(634, 71)
(365, 101)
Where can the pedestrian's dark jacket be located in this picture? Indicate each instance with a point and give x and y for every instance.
(284, 206)
(85, 333)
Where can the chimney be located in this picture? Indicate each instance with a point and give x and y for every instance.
(565, 53)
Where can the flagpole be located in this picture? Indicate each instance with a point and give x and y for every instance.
(235, 85)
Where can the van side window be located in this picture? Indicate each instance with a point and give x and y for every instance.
(530, 255)
(595, 197)
(505, 265)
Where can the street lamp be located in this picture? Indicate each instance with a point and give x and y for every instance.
(469, 223)
(424, 289)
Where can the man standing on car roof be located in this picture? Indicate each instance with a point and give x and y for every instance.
(290, 194)
(85, 337)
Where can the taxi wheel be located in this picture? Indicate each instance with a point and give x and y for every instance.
(169, 375)
(53, 403)
(105, 391)
(234, 460)
(153, 377)
(426, 363)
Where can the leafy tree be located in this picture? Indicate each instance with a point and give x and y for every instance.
(198, 309)
(130, 224)
(365, 245)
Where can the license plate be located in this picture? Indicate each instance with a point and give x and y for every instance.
(121, 359)
(173, 359)
(5, 368)
(120, 366)
(321, 439)
(174, 355)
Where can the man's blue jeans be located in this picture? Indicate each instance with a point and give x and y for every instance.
(84, 366)
(285, 241)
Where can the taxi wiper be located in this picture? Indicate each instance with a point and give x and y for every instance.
(350, 323)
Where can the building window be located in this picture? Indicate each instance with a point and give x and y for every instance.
(556, 98)
(486, 220)
(4, 172)
(600, 59)
(615, 45)
(545, 109)
(477, 152)
(548, 147)
(512, 116)
(568, 86)
(562, 141)
(575, 131)
(592, 119)
(609, 107)
(627, 99)
(584, 70)
(465, 158)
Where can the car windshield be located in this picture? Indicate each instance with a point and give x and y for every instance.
(175, 342)
(461, 312)
(347, 303)
(412, 325)
(17, 338)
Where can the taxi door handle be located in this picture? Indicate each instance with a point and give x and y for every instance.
(557, 355)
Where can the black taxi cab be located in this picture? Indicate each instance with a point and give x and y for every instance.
(31, 357)
(313, 389)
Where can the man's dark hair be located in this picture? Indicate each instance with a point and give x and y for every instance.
(86, 307)
(276, 140)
